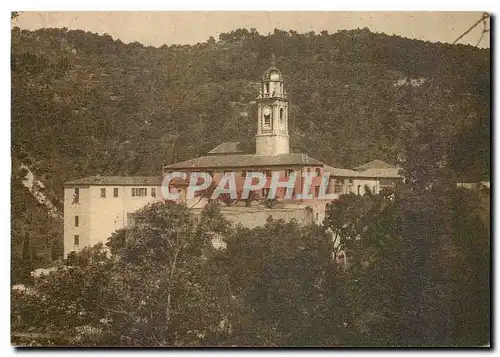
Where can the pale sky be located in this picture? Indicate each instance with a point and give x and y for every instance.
(180, 27)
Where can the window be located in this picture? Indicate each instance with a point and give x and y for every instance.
(153, 191)
(115, 192)
(77, 221)
(337, 188)
(267, 120)
(139, 191)
(103, 192)
(265, 192)
(77, 239)
(76, 195)
(266, 88)
(281, 115)
(316, 191)
(374, 188)
(318, 171)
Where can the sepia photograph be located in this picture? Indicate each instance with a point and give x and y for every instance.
(250, 179)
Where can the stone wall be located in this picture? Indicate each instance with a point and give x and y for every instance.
(252, 217)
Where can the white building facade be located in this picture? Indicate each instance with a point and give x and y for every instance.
(95, 207)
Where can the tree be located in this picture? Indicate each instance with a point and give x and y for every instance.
(73, 296)
(407, 262)
(154, 289)
(286, 275)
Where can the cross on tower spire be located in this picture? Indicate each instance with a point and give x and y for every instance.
(273, 60)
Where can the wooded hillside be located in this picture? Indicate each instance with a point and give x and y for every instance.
(85, 104)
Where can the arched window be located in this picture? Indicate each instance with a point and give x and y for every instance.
(359, 189)
(267, 117)
(266, 88)
(339, 184)
(281, 115)
(267, 120)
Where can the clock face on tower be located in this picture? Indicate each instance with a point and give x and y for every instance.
(267, 111)
(274, 76)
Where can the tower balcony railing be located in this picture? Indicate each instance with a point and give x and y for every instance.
(272, 95)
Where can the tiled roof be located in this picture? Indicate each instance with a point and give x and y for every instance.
(227, 147)
(236, 161)
(375, 164)
(335, 171)
(371, 173)
(381, 173)
(117, 180)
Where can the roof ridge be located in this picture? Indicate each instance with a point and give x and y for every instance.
(245, 160)
(116, 180)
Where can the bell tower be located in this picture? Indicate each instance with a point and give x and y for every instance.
(272, 118)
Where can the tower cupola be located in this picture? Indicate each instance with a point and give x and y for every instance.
(272, 81)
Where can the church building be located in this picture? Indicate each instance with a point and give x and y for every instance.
(94, 207)
(272, 148)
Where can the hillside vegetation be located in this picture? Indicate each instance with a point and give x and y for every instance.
(85, 104)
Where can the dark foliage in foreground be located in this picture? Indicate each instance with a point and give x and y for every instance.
(405, 270)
